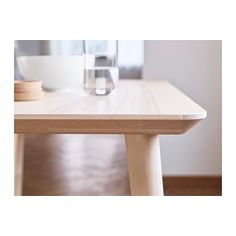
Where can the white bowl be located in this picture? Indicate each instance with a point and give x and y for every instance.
(55, 72)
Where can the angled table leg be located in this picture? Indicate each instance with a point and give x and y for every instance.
(144, 164)
(19, 164)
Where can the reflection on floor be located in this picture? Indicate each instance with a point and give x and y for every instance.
(88, 165)
(75, 165)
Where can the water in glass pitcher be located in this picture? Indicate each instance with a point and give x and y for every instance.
(100, 80)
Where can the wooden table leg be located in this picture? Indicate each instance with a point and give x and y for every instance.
(19, 163)
(144, 165)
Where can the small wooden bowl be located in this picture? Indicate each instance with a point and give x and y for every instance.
(28, 90)
(27, 86)
(28, 96)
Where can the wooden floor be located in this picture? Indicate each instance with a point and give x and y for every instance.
(92, 165)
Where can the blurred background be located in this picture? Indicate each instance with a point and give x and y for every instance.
(77, 165)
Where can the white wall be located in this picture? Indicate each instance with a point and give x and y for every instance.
(195, 68)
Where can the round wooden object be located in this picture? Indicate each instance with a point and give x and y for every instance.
(27, 86)
(28, 96)
(28, 90)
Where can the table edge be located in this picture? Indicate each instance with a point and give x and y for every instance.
(111, 117)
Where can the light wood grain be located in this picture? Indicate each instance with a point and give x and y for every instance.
(19, 163)
(138, 109)
(29, 96)
(144, 165)
(27, 86)
(135, 107)
(43, 126)
(27, 90)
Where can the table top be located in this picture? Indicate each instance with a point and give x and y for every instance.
(140, 106)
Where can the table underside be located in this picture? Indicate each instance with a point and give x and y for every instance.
(86, 126)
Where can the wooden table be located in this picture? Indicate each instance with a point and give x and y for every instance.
(141, 110)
